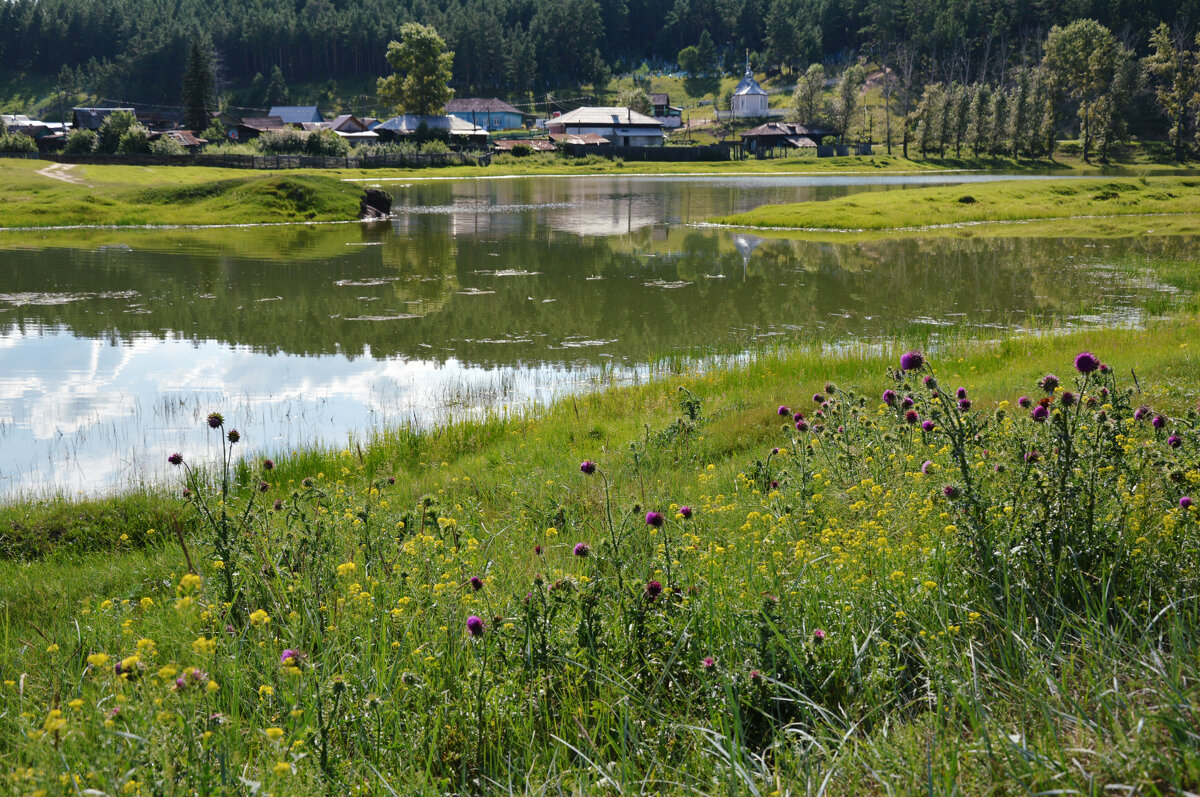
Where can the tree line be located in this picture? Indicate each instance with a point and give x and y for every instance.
(137, 48)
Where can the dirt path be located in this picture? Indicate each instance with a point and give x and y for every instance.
(61, 171)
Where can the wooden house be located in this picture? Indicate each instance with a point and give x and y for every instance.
(488, 113)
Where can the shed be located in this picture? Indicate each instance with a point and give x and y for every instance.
(535, 144)
(786, 135)
(254, 126)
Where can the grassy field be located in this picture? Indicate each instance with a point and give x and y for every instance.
(983, 203)
(853, 604)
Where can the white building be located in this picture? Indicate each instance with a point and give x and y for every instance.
(621, 126)
(749, 99)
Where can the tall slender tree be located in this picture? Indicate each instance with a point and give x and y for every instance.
(199, 88)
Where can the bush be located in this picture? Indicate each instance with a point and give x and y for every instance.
(434, 147)
(281, 142)
(116, 125)
(165, 145)
(16, 142)
(134, 141)
(326, 143)
(81, 142)
(214, 133)
(521, 151)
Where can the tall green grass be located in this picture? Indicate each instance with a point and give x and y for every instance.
(945, 664)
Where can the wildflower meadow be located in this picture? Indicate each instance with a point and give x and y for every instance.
(902, 583)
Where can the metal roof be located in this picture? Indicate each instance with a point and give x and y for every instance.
(296, 114)
(605, 116)
(748, 85)
(480, 105)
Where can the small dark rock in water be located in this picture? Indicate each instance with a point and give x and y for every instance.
(376, 204)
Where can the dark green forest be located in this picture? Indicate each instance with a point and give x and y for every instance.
(136, 49)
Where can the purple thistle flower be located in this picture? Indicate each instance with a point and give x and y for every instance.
(216, 420)
(263, 487)
(476, 583)
(1039, 413)
(1141, 412)
(907, 403)
(234, 435)
(889, 397)
(587, 467)
(774, 484)
(1086, 362)
(686, 511)
(1067, 399)
(175, 459)
(708, 663)
(950, 491)
(802, 426)
(278, 505)
(582, 549)
(818, 398)
(784, 410)
(929, 381)
(475, 625)
(964, 404)
(911, 417)
(1158, 422)
(818, 636)
(268, 464)
(926, 465)
(180, 684)
(1032, 456)
(912, 361)
(289, 657)
(537, 549)
(1025, 402)
(653, 590)
(928, 426)
(1048, 383)
(830, 388)
(1174, 441)
(1185, 502)
(655, 519)
(961, 393)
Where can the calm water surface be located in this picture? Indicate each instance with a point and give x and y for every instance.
(481, 294)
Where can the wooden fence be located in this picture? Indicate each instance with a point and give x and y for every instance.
(392, 160)
(716, 152)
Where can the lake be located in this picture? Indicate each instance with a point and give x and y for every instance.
(480, 295)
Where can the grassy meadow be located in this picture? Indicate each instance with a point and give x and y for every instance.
(1016, 201)
(923, 589)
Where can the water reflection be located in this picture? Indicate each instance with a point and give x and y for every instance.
(114, 346)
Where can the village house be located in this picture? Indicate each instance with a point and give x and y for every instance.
(408, 125)
(296, 114)
(347, 126)
(670, 116)
(622, 127)
(749, 99)
(92, 118)
(533, 144)
(490, 114)
(251, 127)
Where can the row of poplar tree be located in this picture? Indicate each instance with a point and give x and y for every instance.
(1086, 80)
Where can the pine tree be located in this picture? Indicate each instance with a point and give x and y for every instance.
(198, 88)
(277, 90)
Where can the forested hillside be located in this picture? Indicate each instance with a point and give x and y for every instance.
(136, 48)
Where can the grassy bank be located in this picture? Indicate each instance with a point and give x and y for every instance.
(985, 202)
(140, 195)
(986, 638)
